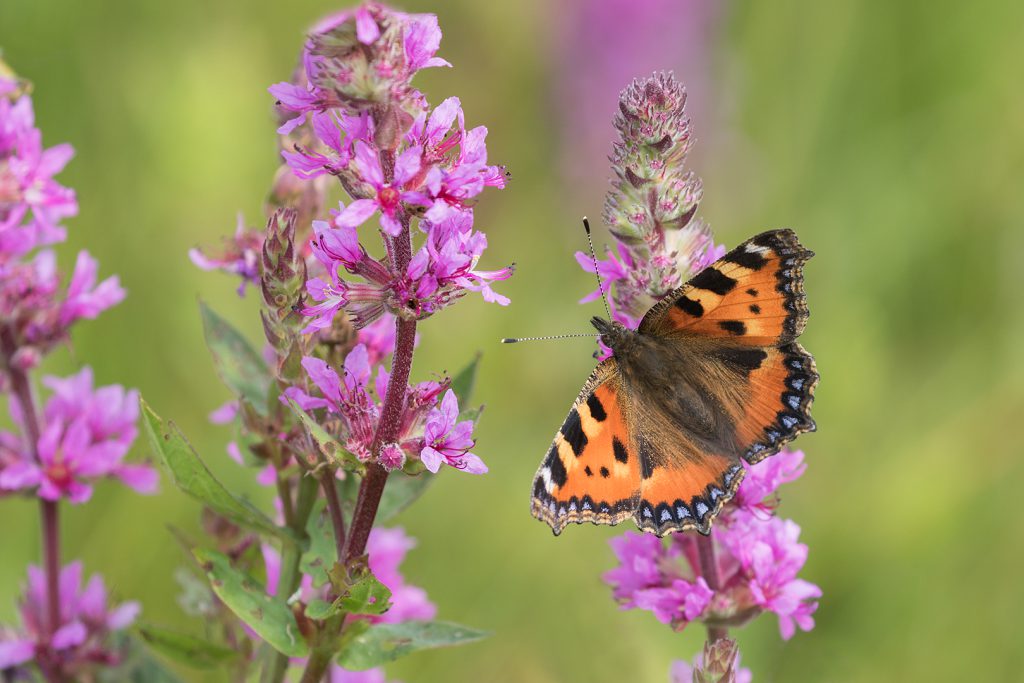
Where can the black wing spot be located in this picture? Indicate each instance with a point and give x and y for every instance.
(620, 451)
(572, 431)
(558, 474)
(689, 306)
(713, 280)
(733, 327)
(588, 472)
(747, 360)
(596, 409)
(752, 292)
(605, 473)
(755, 309)
(748, 259)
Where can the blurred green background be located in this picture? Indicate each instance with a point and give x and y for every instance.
(887, 134)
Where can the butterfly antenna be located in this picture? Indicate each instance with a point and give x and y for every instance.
(593, 255)
(514, 340)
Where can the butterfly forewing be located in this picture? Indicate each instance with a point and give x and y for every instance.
(753, 295)
(591, 472)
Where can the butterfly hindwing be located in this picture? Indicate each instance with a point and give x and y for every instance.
(777, 406)
(592, 471)
(753, 295)
(687, 489)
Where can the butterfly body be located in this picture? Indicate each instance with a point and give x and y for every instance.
(712, 376)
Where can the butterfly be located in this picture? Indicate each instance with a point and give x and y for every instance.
(713, 376)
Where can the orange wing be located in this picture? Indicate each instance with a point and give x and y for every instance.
(775, 404)
(684, 488)
(753, 295)
(592, 471)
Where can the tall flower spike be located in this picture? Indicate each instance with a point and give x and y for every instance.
(653, 202)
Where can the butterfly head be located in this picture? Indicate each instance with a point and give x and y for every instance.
(614, 334)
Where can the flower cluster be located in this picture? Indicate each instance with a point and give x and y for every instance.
(429, 428)
(652, 206)
(36, 310)
(32, 203)
(356, 116)
(81, 640)
(759, 557)
(85, 435)
(82, 433)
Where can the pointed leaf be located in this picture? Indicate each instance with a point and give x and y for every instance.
(193, 477)
(269, 617)
(238, 364)
(196, 652)
(383, 643)
(328, 445)
(464, 382)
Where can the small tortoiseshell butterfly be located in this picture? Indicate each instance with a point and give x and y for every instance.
(713, 375)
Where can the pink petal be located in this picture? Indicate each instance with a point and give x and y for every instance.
(20, 475)
(123, 616)
(15, 652)
(356, 213)
(141, 478)
(432, 460)
(69, 635)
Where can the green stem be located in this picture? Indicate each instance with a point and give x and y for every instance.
(277, 663)
(316, 667)
(709, 570)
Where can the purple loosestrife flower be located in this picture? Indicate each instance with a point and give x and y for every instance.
(32, 203)
(395, 157)
(651, 208)
(758, 557)
(85, 435)
(241, 256)
(80, 643)
(447, 441)
(423, 430)
(38, 313)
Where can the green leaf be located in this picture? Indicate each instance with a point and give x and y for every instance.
(269, 617)
(464, 382)
(196, 652)
(193, 477)
(360, 592)
(383, 643)
(322, 552)
(329, 446)
(320, 609)
(238, 364)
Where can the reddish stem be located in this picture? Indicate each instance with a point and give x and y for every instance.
(21, 391)
(372, 487)
(709, 570)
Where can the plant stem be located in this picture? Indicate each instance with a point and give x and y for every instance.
(334, 509)
(316, 667)
(277, 664)
(21, 391)
(372, 486)
(709, 570)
